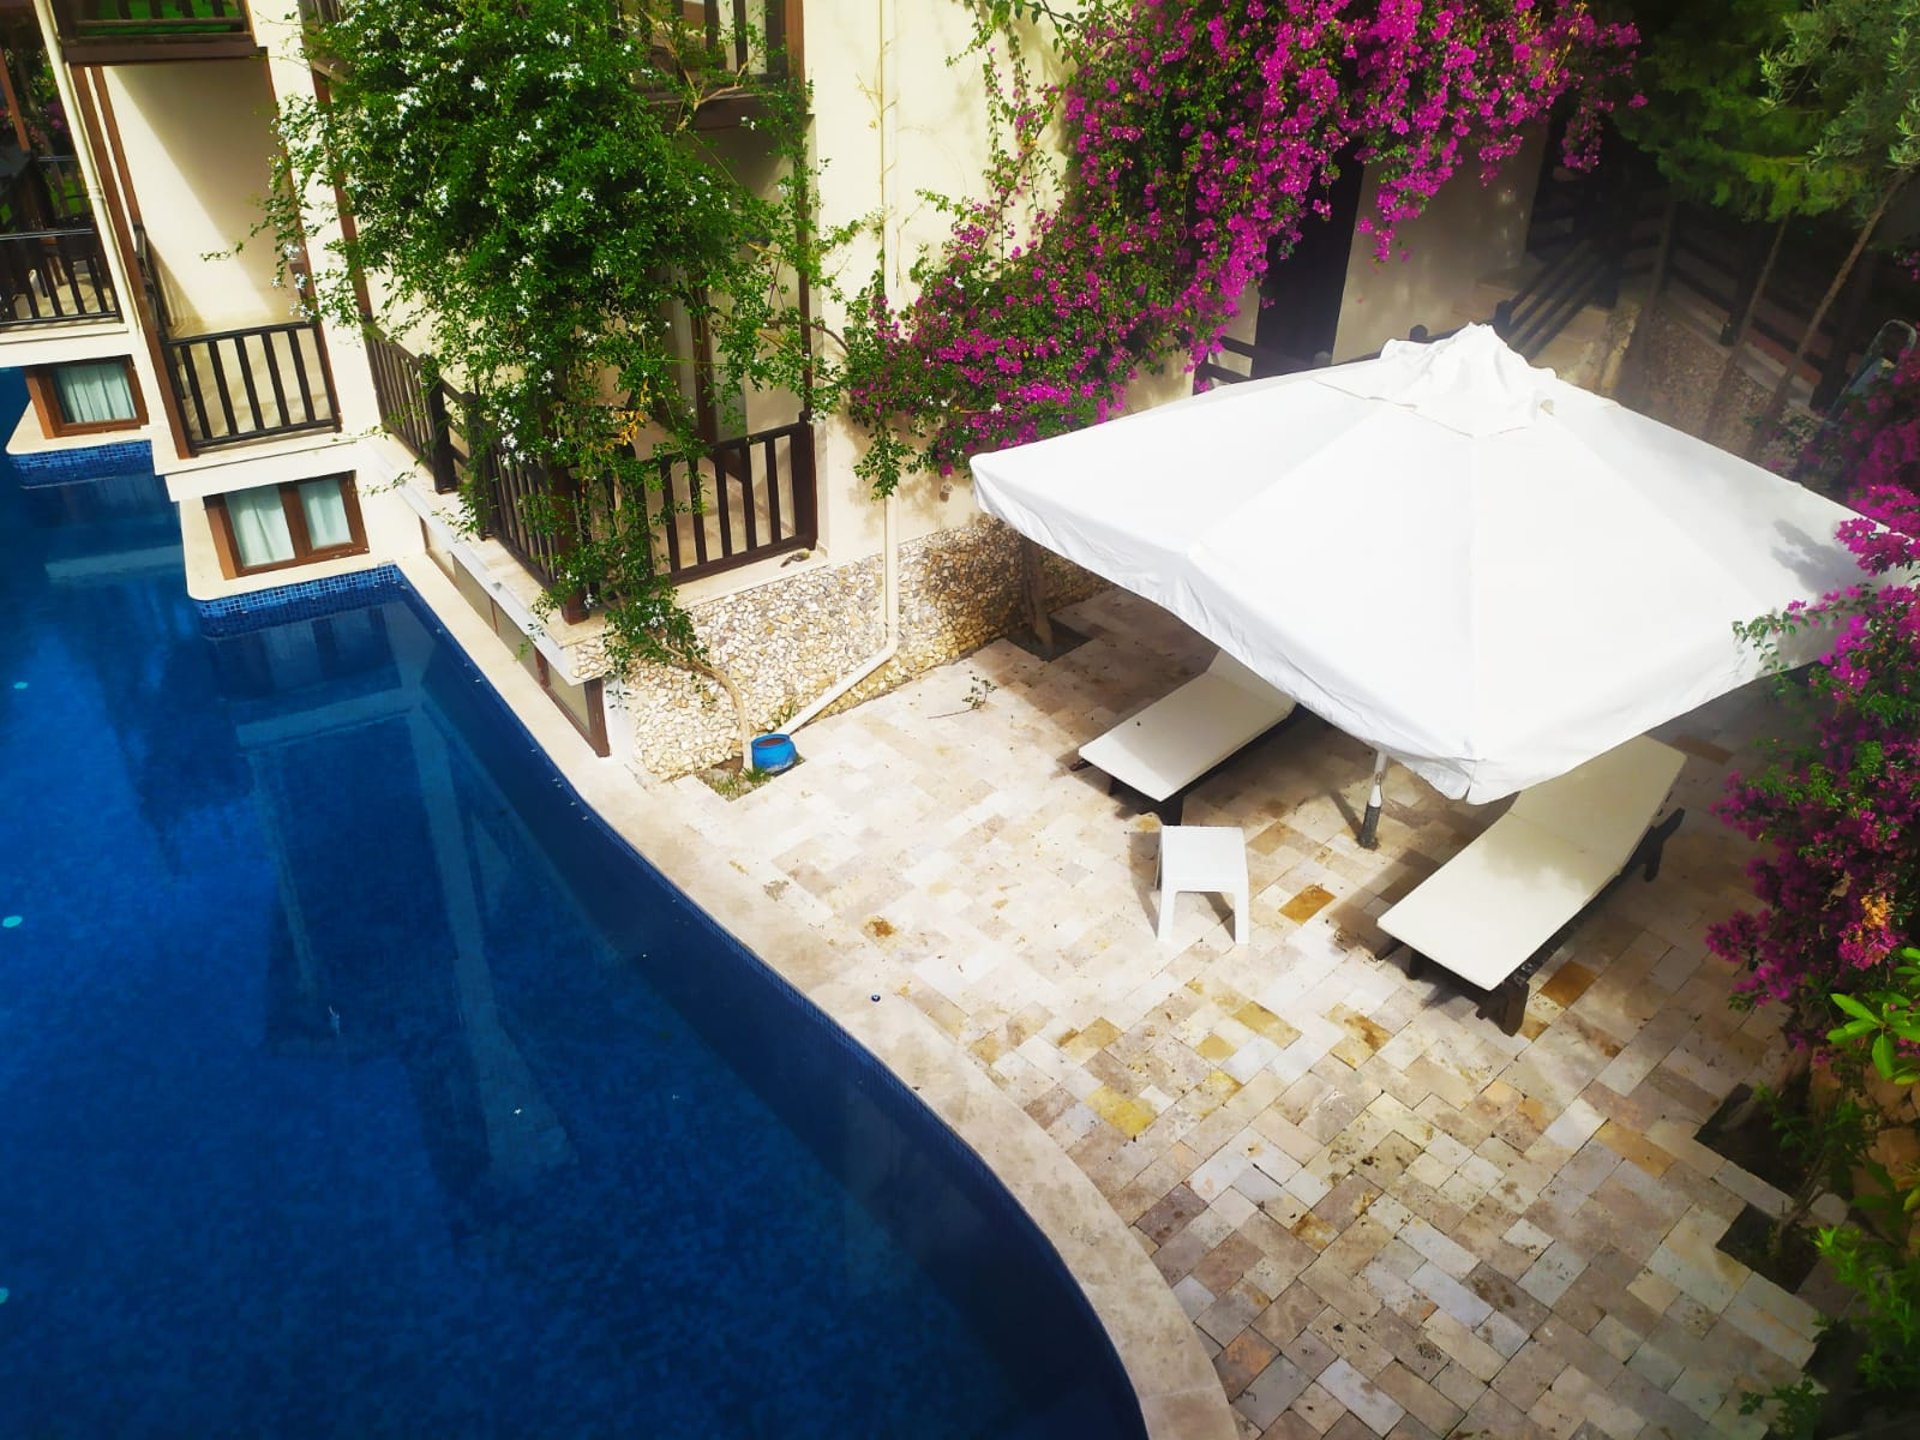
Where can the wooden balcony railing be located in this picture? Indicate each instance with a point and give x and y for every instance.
(746, 499)
(753, 38)
(106, 31)
(419, 414)
(52, 276)
(253, 384)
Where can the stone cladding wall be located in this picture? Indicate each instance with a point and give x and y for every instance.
(1671, 371)
(789, 641)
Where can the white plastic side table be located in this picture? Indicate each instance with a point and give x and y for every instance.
(1204, 859)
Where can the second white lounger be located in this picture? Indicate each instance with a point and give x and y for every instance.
(1494, 912)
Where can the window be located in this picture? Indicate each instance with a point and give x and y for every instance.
(275, 526)
(86, 397)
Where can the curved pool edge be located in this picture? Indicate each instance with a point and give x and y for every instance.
(1179, 1395)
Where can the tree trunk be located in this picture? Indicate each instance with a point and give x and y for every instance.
(1034, 574)
(1723, 384)
(725, 682)
(1763, 432)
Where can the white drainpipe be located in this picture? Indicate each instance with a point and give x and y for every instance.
(889, 258)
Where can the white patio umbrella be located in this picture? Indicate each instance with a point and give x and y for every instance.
(1482, 571)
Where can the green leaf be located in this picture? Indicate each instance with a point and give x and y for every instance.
(1852, 1030)
(1884, 1059)
(1854, 1008)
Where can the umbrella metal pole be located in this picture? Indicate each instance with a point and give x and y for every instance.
(1370, 825)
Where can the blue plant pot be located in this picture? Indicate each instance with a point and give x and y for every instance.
(773, 753)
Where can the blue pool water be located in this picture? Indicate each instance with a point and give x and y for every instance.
(354, 1082)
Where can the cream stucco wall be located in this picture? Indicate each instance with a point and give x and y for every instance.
(392, 528)
(891, 119)
(198, 144)
(1469, 233)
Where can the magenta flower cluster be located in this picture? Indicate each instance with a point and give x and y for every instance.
(1840, 809)
(1197, 136)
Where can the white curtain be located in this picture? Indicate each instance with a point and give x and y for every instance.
(94, 393)
(259, 526)
(325, 512)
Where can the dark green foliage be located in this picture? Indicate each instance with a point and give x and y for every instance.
(533, 195)
(1710, 122)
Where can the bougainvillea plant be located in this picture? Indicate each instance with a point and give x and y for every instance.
(1195, 137)
(1839, 885)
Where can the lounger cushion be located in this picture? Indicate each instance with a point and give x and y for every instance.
(1486, 911)
(1182, 736)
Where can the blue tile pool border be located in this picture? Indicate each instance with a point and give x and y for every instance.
(88, 462)
(306, 600)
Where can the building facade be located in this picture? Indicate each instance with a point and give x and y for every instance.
(147, 311)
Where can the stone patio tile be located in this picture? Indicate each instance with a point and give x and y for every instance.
(1614, 1337)
(1463, 1347)
(1352, 1341)
(1231, 1313)
(1270, 1392)
(1450, 1295)
(1194, 1297)
(1290, 1427)
(1289, 1314)
(1701, 1390)
(1527, 1375)
(1292, 1126)
(1378, 1410)
(1652, 1363)
(1223, 1265)
(1491, 1415)
(1557, 1268)
(1443, 1253)
(1458, 1386)
(1318, 1408)
(1785, 1324)
(1243, 1359)
(1418, 1398)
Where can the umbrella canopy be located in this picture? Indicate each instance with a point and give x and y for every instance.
(1485, 572)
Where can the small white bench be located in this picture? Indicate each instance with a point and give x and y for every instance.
(1204, 860)
(1181, 738)
(1495, 912)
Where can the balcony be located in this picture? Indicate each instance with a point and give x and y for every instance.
(230, 387)
(747, 499)
(53, 277)
(755, 42)
(52, 267)
(748, 45)
(260, 383)
(109, 32)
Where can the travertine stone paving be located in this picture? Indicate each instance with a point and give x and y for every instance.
(1383, 1217)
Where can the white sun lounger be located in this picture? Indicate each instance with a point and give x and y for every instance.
(1498, 909)
(1176, 742)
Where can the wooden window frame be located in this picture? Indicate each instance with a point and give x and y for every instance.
(594, 729)
(228, 549)
(53, 421)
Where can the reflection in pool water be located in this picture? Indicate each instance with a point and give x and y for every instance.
(355, 1082)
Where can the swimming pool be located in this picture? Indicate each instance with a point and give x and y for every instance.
(354, 1081)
